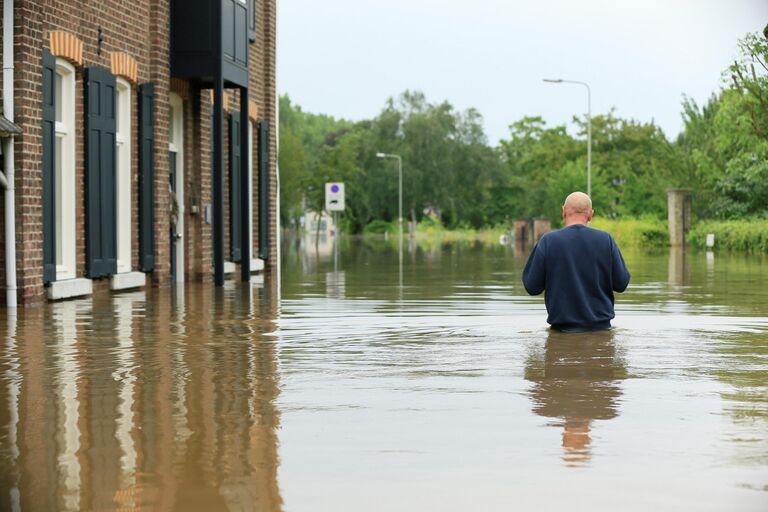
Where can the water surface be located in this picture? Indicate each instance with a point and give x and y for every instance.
(361, 383)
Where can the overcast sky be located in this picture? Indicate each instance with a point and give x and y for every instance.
(346, 57)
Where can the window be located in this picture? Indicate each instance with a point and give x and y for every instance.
(123, 179)
(64, 165)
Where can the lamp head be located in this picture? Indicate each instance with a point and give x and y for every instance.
(554, 80)
(381, 155)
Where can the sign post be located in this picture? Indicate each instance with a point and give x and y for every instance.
(334, 202)
(334, 197)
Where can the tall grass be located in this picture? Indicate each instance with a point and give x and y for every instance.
(639, 232)
(433, 230)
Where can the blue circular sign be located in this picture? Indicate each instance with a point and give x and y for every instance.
(334, 188)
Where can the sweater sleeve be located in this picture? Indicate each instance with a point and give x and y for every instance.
(619, 273)
(535, 270)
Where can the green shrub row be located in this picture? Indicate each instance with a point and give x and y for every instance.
(741, 235)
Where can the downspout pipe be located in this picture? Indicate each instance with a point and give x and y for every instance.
(8, 147)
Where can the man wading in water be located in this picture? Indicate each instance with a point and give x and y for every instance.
(578, 269)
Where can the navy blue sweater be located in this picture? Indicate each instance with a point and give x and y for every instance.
(578, 269)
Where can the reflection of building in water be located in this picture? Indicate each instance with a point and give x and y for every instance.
(335, 284)
(147, 403)
(315, 250)
(577, 382)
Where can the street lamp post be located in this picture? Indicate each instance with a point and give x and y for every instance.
(399, 214)
(400, 186)
(589, 125)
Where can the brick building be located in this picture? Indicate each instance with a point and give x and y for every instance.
(147, 151)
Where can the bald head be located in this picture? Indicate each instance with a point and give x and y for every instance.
(577, 209)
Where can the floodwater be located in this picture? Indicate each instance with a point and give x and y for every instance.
(368, 382)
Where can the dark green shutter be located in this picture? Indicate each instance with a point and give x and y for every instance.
(49, 167)
(146, 177)
(235, 211)
(264, 189)
(100, 167)
(252, 21)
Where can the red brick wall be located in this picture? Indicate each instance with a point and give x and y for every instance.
(139, 28)
(263, 83)
(136, 27)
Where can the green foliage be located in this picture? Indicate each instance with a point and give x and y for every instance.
(726, 140)
(379, 227)
(743, 235)
(450, 171)
(302, 140)
(646, 232)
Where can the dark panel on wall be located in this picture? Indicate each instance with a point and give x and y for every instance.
(264, 189)
(49, 167)
(146, 177)
(100, 166)
(235, 163)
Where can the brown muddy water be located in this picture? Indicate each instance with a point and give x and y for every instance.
(371, 388)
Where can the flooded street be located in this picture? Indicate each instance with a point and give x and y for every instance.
(430, 385)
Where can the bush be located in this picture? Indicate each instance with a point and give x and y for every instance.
(379, 227)
(743, 235)
(429, 225)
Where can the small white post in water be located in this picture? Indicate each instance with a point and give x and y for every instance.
(711, 240)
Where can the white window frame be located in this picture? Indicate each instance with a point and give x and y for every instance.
(177, 146)
(66, 260)
(123, 181)
(250, 191)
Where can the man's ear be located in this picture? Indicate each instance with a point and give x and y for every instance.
(591, 214)
(564, 213)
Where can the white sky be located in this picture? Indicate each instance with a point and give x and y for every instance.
(346, 57)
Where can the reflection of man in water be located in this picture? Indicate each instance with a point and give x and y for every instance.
(577, 383)
(578, 269)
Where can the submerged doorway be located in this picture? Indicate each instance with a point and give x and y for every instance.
(176, 186)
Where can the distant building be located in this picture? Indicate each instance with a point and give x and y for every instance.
(315, 223)
(122, 178)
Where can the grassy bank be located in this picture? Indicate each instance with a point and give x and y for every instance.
(645, 232)
(642, 232)
(430, 229)
(739, 235)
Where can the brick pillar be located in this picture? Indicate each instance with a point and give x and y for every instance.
(270, 100)
(678, 215)
(200, 249)
(159, 69)
(541, 226)
(28, 96)
(522, 231)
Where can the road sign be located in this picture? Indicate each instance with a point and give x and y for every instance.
(334, 197)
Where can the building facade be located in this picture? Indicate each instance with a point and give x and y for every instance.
(148, 151)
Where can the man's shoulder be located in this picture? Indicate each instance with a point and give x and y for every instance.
(578, 230)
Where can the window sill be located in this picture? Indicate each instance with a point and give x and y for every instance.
(127, 281)
(257, 265)
(69, 288)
